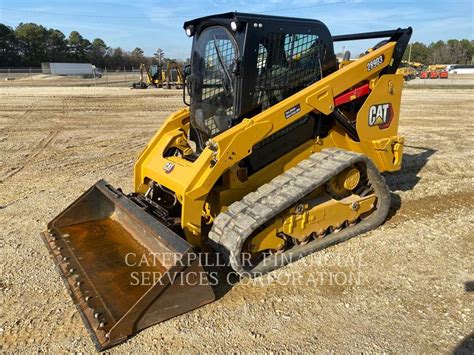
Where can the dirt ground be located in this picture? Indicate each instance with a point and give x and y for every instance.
(405, 287)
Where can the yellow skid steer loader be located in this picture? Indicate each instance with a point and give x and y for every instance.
(279, 154)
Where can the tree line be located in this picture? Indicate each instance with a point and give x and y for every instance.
(30, 44)
(452, 51)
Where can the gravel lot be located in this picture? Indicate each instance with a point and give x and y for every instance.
(401, 288)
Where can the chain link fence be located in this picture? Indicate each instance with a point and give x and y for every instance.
(35, 77)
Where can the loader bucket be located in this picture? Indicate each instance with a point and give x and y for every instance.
(125, 270)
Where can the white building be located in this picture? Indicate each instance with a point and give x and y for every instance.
(83, 69)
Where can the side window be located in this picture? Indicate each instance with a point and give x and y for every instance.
(261, 58)
(286, 63)
(298, 45)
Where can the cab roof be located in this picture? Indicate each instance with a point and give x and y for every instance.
(246, 17)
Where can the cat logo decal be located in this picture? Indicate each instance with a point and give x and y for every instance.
(380, 115)
(168, 168)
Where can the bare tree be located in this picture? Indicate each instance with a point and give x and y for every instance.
(159, 55)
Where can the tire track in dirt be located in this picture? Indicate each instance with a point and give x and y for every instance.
(30, 109)
(45, 142)
(428, 206)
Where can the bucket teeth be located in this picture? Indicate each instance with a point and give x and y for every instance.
(50, 233)
(90, 242)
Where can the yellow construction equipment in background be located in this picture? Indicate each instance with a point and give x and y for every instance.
(278, 155)
(409, 70)
(168, 76)
(173, 76)
(149, 76)
(408, 73)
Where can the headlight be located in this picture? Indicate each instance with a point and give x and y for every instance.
(189, 31)
(234, 25)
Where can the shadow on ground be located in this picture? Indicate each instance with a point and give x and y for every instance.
(407, 177)
(466, 346)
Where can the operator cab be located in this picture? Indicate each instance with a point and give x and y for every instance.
(277, 56)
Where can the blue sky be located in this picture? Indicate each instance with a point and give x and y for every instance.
(152, 24)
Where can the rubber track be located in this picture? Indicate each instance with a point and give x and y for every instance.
(233, 227)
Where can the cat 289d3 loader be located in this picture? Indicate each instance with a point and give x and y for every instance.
(279, 154)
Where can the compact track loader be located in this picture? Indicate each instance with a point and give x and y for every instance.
(279, 154)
